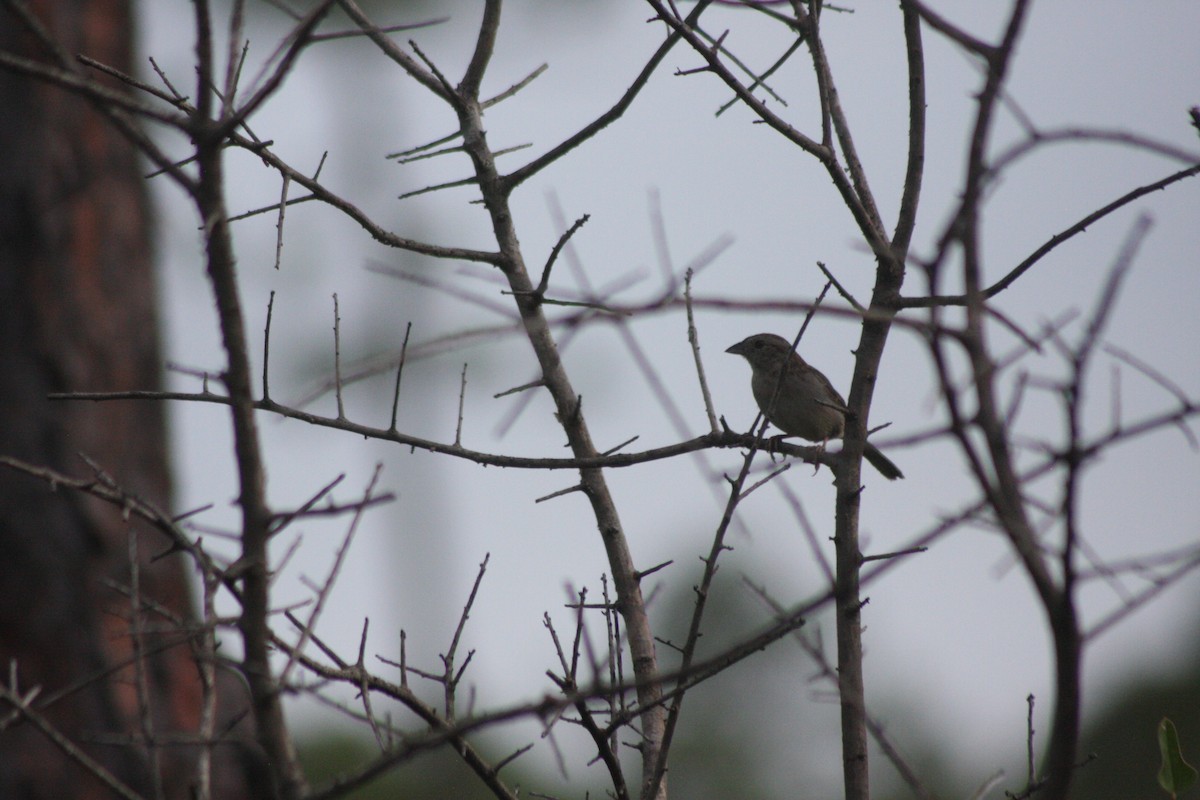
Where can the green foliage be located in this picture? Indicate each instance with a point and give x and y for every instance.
(1175, 775)
(432, 776)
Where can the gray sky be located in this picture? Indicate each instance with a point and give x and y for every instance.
(954, 633)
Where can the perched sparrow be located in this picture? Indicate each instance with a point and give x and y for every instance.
(805, 404)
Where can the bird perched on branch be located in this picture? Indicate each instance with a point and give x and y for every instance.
(803, 403)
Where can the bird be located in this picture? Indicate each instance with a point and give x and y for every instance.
(804, 403)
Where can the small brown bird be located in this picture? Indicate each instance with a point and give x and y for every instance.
(806, 404)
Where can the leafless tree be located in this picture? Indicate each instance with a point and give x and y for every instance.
(626, 691)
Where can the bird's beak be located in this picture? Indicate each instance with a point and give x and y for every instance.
(736, 349)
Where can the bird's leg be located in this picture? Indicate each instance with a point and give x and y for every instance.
(821, 448)
(773, 445)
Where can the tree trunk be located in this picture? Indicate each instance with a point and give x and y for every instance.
(78, 312)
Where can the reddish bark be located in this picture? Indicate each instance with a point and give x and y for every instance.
(78, 312)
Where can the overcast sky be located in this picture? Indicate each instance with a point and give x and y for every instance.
(954, 633)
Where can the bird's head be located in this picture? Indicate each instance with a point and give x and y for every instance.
(762, 350)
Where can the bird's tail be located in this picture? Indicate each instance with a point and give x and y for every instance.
(881, 462)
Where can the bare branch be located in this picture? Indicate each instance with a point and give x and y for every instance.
(392, 51)
(399, 373)
(22, 706)
(694, 341)
(1054, 241)
(516, 87)
(519, 176)
(337, 359)
(462, 393)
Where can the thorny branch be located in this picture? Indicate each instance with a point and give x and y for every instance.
(978, 421)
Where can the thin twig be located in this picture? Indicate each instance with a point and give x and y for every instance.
(283, 192)
(694, 341)
(558, 246)
(266, 383)
(364, 690)
(1031, 775)
(516, 87)
(403, 155)
(399, 373)
(337, 358)
(348, 34)
(172, 98)
(23, 707)
(449, 677)
(146, 711)
(335, 569)
(462, 394)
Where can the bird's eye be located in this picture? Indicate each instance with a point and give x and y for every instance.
(758, 345)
